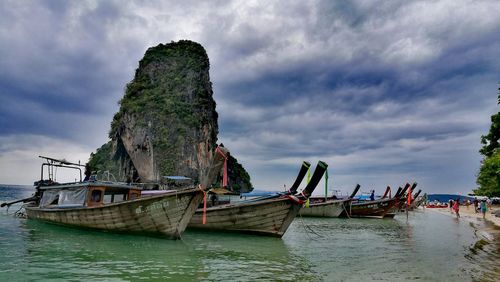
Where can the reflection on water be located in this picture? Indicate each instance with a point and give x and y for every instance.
(427, 246)
(50, 251)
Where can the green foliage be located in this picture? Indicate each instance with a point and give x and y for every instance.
(102, 160)
(491, 140)
(161, 82)
(489, 177)
(170, 100)
(175, 49)
(238, 177)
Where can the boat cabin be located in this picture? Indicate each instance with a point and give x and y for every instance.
(86, 195)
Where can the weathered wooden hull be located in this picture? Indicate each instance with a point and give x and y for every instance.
(374, 209)
(330, 208)
(390, 214)
(270, 217)
(393, 211)
(166, 215)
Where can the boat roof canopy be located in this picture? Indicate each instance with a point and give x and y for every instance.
(107, 185)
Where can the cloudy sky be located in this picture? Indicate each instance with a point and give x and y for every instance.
(384, 91)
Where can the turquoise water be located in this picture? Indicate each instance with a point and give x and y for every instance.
(429, 247)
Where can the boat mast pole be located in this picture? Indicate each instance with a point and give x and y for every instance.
(326, 184)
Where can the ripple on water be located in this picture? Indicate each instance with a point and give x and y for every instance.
(428, 246)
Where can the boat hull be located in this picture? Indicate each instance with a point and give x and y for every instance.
(330, 208)
(373, 209)
(270, 217)
(166, 215)
(393, 211)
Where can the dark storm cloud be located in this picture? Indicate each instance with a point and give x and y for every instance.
(385, 81)
(385, 91)
(57, 60)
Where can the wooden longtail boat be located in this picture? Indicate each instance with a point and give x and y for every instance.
(318, 207)
(414, 201)
(267, 216)
(165, 214)
(400, 199)
(115, 206)
(372, 209)
(332, 207)
(404, 196)
(420, 200)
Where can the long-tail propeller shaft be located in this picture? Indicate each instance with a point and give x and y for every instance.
(218, 160)
(404, 190)
(398, 192)
(317, 175)
(356, 189)
(302, 173)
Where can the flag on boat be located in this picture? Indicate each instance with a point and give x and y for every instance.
(408, 203)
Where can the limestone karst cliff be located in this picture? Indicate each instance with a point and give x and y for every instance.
(167, 122)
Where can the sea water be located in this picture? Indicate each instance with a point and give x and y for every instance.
(427, 246)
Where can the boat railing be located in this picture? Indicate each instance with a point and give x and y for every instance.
(105, 176)
(52, 164)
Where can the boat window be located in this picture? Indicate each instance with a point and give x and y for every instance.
(134, 195)
(96, 196)
(114, 196)
(120, 198)
(49, 197)
(108, 198)
(56, 200)
(72, 197)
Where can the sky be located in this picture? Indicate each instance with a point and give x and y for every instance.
(385, 92)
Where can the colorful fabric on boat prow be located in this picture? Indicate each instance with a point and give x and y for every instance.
(224, 177)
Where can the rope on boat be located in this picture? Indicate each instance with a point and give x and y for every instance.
(346, 212)
(204, 217)
(19, 213)
(224, 176)
(308, 228)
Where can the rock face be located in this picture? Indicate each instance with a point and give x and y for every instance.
(167, 123)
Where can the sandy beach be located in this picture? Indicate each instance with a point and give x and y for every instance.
(468, 213)
(489, 227)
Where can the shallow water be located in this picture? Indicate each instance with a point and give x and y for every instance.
(429, 247)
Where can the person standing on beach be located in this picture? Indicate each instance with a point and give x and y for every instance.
(483, 208)
(450, 203)
(456, 207)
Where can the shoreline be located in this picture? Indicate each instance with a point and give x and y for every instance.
(488, 228)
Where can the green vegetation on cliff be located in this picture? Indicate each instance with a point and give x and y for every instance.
(167, 122)
(102, 160)
(238, 178)
(170, 96)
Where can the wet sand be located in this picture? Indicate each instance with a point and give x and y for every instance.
(487, 228)
(468, 213)
(485, 253)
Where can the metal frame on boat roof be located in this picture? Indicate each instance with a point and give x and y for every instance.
(51, 162)
(91, 184)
